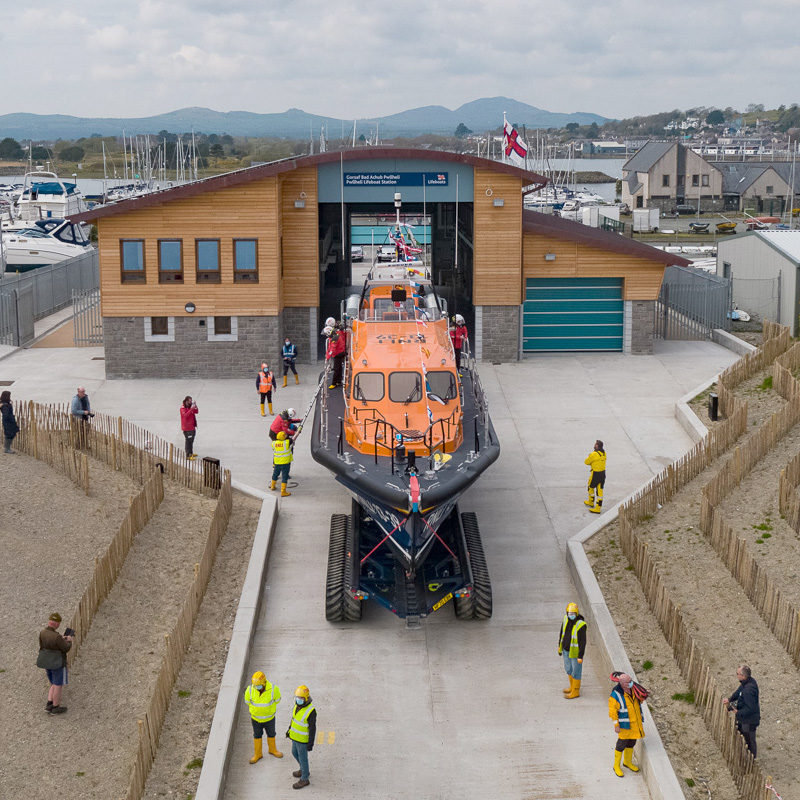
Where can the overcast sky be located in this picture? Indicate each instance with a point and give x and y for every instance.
(353, 58)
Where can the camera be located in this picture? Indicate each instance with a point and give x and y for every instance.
(69, 632)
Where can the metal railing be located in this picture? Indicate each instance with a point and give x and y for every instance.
(87, 320)
(53, 285)
(691, 304)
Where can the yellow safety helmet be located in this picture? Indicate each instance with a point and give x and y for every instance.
(259, 679)
(302, 691)
(281, 436)
(572, 608)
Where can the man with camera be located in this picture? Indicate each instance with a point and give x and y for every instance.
(81, 410)
(744, 701)
(53, 649)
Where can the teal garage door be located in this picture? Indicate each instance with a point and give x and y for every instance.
(572, 314)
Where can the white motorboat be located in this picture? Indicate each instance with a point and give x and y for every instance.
(45, 196)
(44, 242)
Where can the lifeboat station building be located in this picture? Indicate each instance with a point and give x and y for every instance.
(209, 277)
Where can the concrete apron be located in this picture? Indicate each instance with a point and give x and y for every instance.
(607, 653)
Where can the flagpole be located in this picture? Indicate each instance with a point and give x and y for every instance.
(505, 123)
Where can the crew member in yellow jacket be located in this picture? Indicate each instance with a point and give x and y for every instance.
(625, 711)
(262, 698)
(597, 477)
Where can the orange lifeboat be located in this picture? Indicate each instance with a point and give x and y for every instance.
(406, 433)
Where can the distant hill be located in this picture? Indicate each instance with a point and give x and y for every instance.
(479, 116)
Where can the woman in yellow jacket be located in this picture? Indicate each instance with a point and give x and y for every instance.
(625, 710)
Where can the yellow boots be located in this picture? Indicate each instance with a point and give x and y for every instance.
(627, 760)
(576, 690)
(270, 408)
(590, 501)
(569, 690)
(272, 485)
(257, 745)
(284, 381)
(626, 757)
(297, 379)
(262, 411)
(284, 493)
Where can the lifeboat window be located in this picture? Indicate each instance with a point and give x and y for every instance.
(368, 386)
(442, 384)
(405, 387)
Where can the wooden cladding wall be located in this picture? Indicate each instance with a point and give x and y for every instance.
(300, 236)
(497, 264)
(243, 212)
(641, 278)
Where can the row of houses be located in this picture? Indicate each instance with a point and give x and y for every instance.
(665, 175)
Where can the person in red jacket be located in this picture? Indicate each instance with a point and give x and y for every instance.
(337, 347)
(189, 425)
(458, 335)
(286, 422)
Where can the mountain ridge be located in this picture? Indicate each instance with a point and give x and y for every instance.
(478, 115)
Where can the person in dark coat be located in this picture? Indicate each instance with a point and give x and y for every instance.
(746, 704)
(10, 427)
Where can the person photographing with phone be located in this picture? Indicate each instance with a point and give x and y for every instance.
(53, 649)
(189, 425)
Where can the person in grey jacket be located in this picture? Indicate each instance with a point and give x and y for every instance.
(10, 427)
(81, 410)
(746, 704)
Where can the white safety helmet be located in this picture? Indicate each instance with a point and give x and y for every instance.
(330, 322)
(459, 319)
(327, 330)
(291, 412)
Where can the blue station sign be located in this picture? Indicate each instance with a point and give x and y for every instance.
(395, 178)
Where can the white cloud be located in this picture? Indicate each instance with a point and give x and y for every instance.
(363, 59)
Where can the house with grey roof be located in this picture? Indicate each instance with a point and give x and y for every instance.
(761, 188)
(667, 174)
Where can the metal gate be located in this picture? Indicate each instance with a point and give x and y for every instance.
(6, 319)
(86, 317)
(691, 304)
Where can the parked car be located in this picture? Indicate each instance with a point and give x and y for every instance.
(387, 252)
(356, 252)
(685, 208)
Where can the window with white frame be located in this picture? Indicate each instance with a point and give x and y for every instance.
(222, 329)
(159, 329)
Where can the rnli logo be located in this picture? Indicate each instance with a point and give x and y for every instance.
(390, 338)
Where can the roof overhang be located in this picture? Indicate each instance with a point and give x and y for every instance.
(532, 181)
(569, 231)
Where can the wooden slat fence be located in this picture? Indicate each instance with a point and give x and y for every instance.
(777, 343)
(783, 380)
(109, 565)
(114, 441)
(176, 645)
(744, 769)
(781, 618)
(50, 446)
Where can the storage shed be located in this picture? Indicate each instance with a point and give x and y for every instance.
(764, 268)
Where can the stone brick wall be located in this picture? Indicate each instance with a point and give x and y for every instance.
(639, 333)
(298, 326)
(499, 332)
(129, 356)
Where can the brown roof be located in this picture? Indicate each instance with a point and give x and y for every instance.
(566, 229)
(249, 174)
